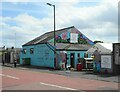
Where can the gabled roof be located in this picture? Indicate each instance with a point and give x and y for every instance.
(107, 46)
(47, 36)
(50, 35)
(103, 48)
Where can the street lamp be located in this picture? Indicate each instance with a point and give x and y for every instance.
(54, 34)
(54, 19)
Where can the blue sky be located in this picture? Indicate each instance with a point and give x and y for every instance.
(23, 21)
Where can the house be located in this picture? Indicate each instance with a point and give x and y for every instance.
(8, 55)
(71, 44)
(103, 57)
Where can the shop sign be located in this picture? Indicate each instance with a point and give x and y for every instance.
(105, 61)
(73, 38)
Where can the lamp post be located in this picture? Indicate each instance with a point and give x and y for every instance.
(54, 35)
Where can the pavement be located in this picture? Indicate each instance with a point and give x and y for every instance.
(75, 74)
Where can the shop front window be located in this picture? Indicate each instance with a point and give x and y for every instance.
(85, 55)
(78, 55)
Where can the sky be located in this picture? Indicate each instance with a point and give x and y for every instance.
(22, 21)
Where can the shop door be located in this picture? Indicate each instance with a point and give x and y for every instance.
(72, 56)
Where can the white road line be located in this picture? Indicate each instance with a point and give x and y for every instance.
(9, 76)
(57, 86)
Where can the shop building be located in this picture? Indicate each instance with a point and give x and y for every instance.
(103, 57)
(71, 44)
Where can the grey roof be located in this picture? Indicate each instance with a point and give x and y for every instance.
(68, 46)
(1, 49)
(47, 36)
(101, 49)
(79, 47)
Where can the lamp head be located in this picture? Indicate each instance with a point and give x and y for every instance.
(49, 4)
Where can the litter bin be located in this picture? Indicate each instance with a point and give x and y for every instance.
(79, 67)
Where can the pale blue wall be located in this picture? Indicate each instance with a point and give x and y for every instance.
(42, 56)
(76, 56)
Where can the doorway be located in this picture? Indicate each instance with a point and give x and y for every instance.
(7, 57)
(72, 63)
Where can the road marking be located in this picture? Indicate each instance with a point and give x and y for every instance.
(24, 68)
(9, 76)
(57, 86)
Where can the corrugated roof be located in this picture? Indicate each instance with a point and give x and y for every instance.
(61, 46)
(47, 36)
(107, 46)
(103, 48)
(68, 46)
(78, 47)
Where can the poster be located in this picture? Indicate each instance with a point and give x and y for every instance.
(73, 38)
(106, 61)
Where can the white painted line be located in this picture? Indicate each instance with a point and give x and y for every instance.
(24, 68)
(9, 76)
(57, 86)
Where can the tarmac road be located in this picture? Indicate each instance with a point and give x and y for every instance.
(23, 79)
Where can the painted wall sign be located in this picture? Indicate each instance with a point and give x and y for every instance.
(73, 38)
(105, 61)
(70, 37)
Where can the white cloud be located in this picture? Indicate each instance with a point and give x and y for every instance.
(97, 22)
(72, 1)
(26, 28)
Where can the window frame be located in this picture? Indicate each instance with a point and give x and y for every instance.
(31, 50)
(24, 51)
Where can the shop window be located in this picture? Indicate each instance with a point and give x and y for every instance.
(78, 55)
(85, 55)
(24, 51)
(31, 50)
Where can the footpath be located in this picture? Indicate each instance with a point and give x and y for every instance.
(78, 74)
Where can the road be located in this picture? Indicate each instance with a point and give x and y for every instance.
(23, 79)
